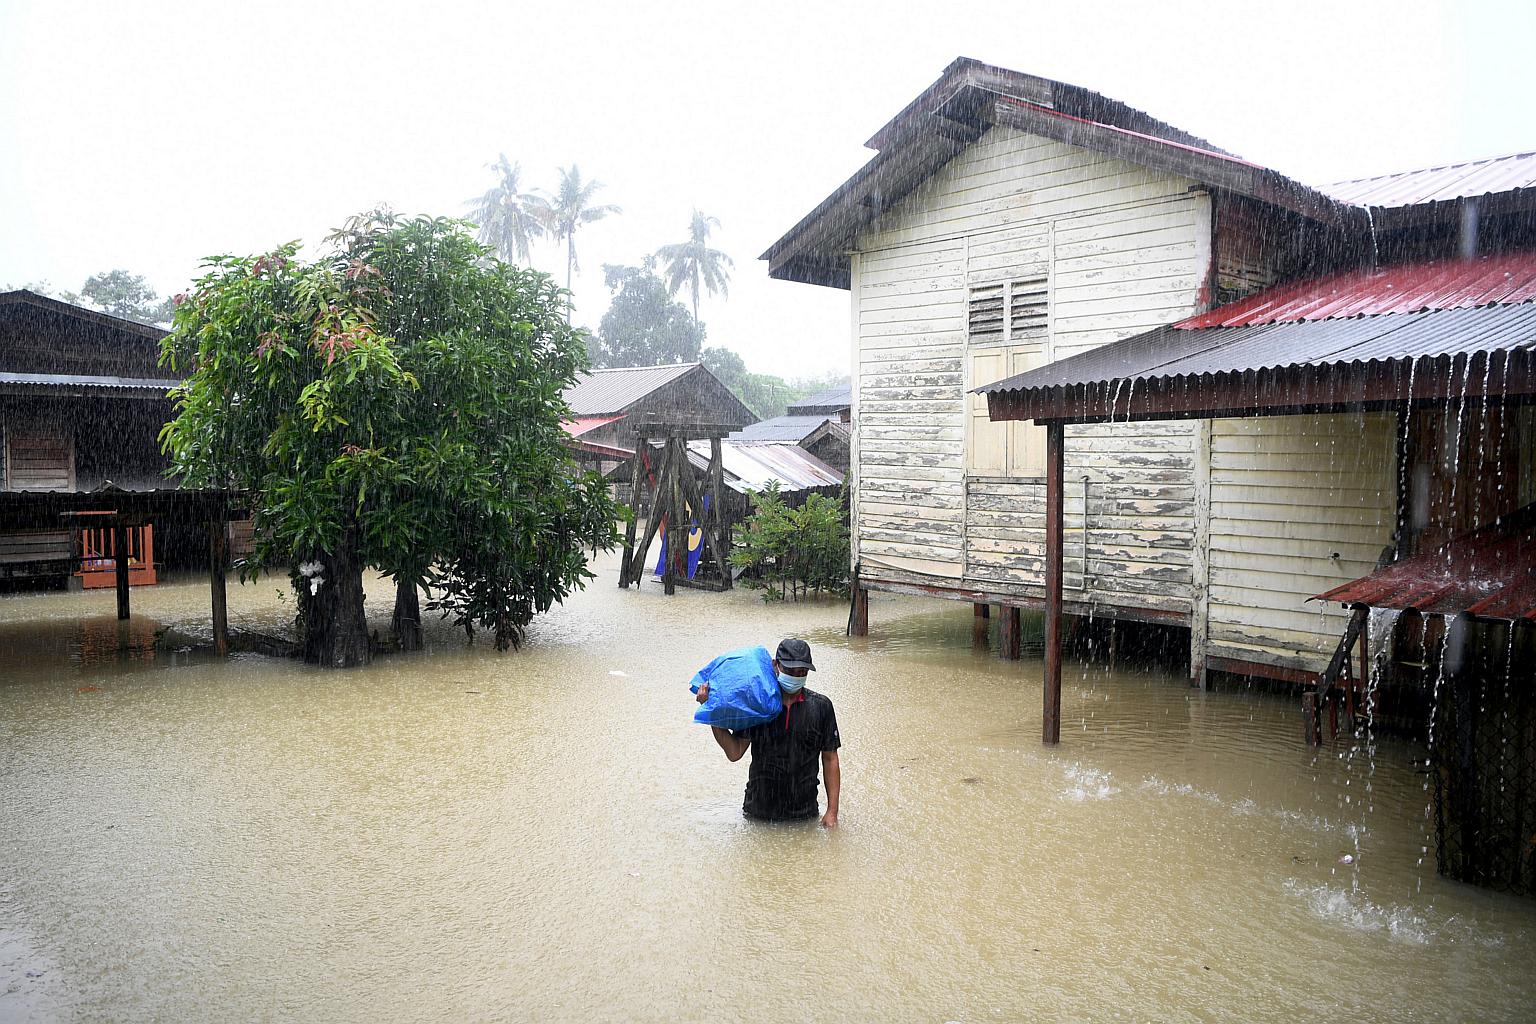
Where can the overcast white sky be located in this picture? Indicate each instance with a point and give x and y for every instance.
(149, 135)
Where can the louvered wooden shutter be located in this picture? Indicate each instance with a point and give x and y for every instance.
(985, 323)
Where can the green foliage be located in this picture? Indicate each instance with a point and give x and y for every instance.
(568, 209)
(126, 295)
(114, 291)
(509, 217)
(796, 550)
(765, 394)
(643, 326)
(399, 399)
(694, 264)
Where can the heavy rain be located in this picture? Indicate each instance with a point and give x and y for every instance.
(875, 513)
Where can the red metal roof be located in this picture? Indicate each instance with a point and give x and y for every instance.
(1489, 573)
(581, 424)
(1440, 184)
(1406, 288)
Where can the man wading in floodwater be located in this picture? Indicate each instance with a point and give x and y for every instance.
(781, 783)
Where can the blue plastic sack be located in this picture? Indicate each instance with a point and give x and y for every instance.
(743, 690)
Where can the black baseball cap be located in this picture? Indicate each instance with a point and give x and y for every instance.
(793, 653)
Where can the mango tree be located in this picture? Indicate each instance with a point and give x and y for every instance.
(394, 404)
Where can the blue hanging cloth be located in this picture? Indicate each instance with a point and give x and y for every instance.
(695, 545)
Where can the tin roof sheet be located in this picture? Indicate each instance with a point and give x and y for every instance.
(1403, 288)
(780, 428)
(1489, 573)
(105, 382)
(1438, 184)
(751, 465)
(1171, 353)
(831, 400)
(581, 424)
(613, 391)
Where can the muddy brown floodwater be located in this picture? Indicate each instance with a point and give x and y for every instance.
(547, 836)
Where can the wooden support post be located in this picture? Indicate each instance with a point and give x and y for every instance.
(1311, 722)
(677, 519)
(707, 525)
(636, 489)
(1055, 438)
(653, 523)
(858, 618)
(1009, 645)
(717, 510)
(981, 611)
(120, 563)
(218, 560)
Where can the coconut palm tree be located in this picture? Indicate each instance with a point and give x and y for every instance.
(695, 264)
(568, 209)
(509, 218)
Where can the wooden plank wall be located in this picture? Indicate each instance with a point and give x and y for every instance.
(1125, 249)
(1299, 504)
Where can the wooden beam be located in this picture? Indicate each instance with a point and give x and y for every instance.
(1055, 437)
(675, 517)
(707, 524)
(636, 489)
(858, 612)
(120, 564)
(717, 507)
(653, 524)
(218, 561)
(1010, 645)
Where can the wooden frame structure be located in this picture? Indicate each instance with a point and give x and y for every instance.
(115, 511)
(667, 475)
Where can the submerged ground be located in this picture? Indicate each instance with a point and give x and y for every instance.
(547, 836)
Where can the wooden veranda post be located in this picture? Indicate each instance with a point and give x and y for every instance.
(1054, 471)
(218, 560)
(120, 563)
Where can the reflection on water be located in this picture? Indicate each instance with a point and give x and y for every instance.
(547, 836)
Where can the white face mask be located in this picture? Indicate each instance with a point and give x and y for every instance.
(789, 683)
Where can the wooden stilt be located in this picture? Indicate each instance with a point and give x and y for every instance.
(1311, 721)
(218, 560)
(1055, 437)
(676, 520)
(858, 618)
(981, 611)
(653, 524)
(636, 490)
(717, 510)
(120, 564)
(1009, 646)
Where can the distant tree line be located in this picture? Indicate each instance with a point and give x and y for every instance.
(645, 325)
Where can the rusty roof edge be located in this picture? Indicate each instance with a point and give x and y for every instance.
(1400, 321)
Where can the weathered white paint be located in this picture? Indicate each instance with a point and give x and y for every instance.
(1299, 504)
(943, 493)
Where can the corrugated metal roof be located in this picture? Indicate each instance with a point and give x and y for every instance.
(49, 381)
(1489, 573)
(613, 391)
(831, 400)
(1171, 353)
(1405, 288)
(780, 428)
(1438, 184)
(751, 465)
(581, 424)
